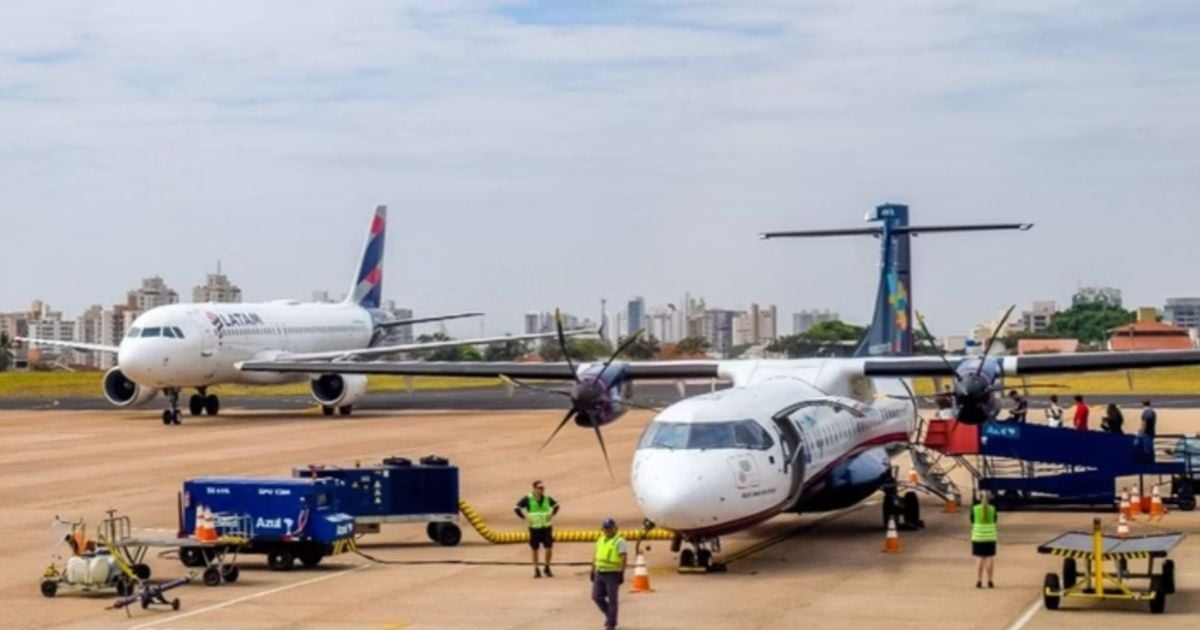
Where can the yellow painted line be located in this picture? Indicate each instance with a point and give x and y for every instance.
(246, 598)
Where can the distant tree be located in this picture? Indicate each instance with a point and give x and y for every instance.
(1089, 323)
(642, 348)
(736, 351)
(581, 349)
(829, 338)
(5, 352)
(691, 345)
(835, 330)
(453, 353)
(507, 351)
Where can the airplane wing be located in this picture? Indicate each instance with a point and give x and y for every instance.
(360, 353)
(1037, 364)
(422, 320)
(665, 370)
(74, 345)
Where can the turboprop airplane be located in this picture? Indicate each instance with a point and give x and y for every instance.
(794, 435)
(178, 346)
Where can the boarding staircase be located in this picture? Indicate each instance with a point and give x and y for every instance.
(934, 475)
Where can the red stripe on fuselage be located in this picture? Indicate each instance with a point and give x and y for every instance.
(744, 522)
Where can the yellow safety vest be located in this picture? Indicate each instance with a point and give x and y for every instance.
(984, 527)
(538, 514)
(608, 554)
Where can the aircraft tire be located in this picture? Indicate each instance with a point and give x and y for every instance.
(327, 410)
(347, 410)
(212, 405)
(196, 404)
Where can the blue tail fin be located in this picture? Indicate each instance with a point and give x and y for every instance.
(367, 289)
(891, 329)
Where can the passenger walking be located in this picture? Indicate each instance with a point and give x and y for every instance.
(1054, 413)
(983, 539)
(608, 571)
(1081, 414)
(539, 511)
(1020, 407)
(1114, 420)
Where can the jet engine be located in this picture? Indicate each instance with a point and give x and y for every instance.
(122, 392)
(338, 390)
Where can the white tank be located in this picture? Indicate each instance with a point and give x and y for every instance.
(99, 569)
(77, 570)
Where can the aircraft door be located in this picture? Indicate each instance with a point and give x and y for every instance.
(792, 443)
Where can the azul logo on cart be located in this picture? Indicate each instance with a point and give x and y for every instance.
(1009, 431)
(274, 523)
(212, 490)
(274, 492)
(344, 529)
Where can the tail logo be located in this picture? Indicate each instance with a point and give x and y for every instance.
(898, 300)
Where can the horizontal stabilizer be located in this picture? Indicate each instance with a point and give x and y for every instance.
(422, 320)
(912, 230)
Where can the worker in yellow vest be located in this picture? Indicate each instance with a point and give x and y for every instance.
(983, 539)
(539, 511)
(608, 571)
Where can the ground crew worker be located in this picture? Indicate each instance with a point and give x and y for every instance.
(608, 571)
(1020, 407)
(1148, 430)
(539, 512)
(1081, 414)
(983, 539)
(1054, 413)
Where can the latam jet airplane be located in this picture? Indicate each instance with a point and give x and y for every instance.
(170, 348)
(803, 435)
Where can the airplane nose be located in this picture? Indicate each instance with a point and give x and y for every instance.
(675, 493)
(136, 361)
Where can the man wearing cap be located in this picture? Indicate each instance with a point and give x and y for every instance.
(608, 571)
(539, 510)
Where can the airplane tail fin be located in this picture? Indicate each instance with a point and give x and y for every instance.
(891, 329)
(367, 289)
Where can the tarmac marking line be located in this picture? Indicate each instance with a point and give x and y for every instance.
(246, 598)
(1020, 623)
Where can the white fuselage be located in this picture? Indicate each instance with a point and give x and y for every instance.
(206, 341)
(788, 433)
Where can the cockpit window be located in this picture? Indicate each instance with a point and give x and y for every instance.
(168, 332)
(741, 434)
(178, 333)
(152, 332)
(133, 332)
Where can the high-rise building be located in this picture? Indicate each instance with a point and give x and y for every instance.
(803, 321)
(89, 328)
(321, 297)
(51, 326)
(1183, 312)
(718, 329)
(533, 323)
(153, 293)
(1105, 296)
(636, 314)
(217, 288)
(1038, 319)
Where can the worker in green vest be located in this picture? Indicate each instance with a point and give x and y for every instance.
(539, 510)
(983, 539)
(608, 571)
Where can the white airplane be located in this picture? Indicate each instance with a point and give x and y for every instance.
(789, 436)
(170, 348)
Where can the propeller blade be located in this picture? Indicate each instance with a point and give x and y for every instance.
(565, 420)
(604, 449)
(562, 343)
(992, 340)
(621, 348)
(929, 340)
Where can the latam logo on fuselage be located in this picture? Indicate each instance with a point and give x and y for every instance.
(233, 319)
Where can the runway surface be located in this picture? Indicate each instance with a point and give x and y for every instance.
(823, 571)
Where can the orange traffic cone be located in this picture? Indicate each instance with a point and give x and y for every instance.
(1157, 509)
(913, 477)
(205, 531)
(1122, 526)
(641, 577)
(891, 544)
(951, 506)
(1126, 507)
(1135, 504)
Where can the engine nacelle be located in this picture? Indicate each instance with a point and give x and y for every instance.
(338, 390)
(122, 392)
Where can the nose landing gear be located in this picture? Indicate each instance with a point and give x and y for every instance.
(698, 556)
(171, 416)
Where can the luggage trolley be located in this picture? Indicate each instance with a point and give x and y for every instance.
(1097, 582)
(218, 557)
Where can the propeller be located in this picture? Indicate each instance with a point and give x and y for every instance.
(973, 390)
(992, 340)
(592, 404)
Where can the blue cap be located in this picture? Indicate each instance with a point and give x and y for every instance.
(608, 522)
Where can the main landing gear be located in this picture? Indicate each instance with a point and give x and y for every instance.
(906, 509)
(344, 410)
(199, 403)
(698, 556)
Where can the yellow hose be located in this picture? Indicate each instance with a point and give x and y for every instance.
(570, 535)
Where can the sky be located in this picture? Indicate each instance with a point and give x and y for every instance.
(549, 153)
